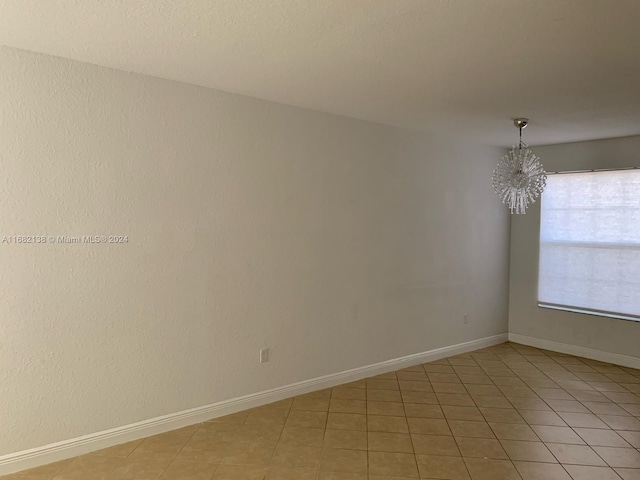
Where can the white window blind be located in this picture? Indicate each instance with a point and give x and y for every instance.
(590, 243)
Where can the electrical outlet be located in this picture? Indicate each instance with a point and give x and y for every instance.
(466, 319)
(264, 355)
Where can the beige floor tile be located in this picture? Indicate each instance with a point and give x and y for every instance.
(582, 472)
(575, 454)
(385, 395)
(284, 473)
(605, 408)
(488, 469)
(467, 428)
(90, 466)
(541, 383)
(253, 434)
(582, 420)
(382, 384)
(633, 438)
(310, 403)
(385, 423)
(204, 451)
(428, 398)
(339, 405)
(481, 448)
(502, 376)
(508, 380)
(517, 392)
(537, 417)
(526, 403)
(343, 460)
(236, 472)
(247, 454)
(157, 458)
(628, 473)
(462, 413)
(557, 434)
(455, 399)
(435, 445)
(631, 409)
(619, 457)
(587, 396)
(443, 378)
(494, 401)
(542, 471)
(528, 451)
(623, 397)
(467, 370)
(449, 388)
(304, 436)
(618, 422)
(189, 471)
(601, 438)
(394, 409)
(347, 439)
(302, 418)
(347, 393)
(442, 467)
(215, 431)
(510, 431)
(296, 456)
(462, 360)
(415, 386)
(428, 426)
(393, 464)
(553, 394)
(423, 410)
(389, 442)
(343, 476)
(347, 421)
(475, 379)
(161, 445)
(501, 415)
(137, 469)
(607, 386)
(267, 417)
(483, 390)
(567, 406)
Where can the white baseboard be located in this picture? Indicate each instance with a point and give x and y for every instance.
(54, 452)
(615, 358)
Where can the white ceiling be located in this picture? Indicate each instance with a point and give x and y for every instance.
(454, 67)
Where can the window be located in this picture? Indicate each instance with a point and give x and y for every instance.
(590, 243)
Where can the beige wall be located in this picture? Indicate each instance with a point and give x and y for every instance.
(525, 317)
(334, 242)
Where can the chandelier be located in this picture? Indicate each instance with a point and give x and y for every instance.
(519, 177)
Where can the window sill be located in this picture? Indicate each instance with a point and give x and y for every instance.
(597, 313)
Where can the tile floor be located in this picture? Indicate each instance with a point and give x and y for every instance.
(501, 413)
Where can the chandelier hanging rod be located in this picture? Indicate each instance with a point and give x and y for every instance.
(521, 124)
